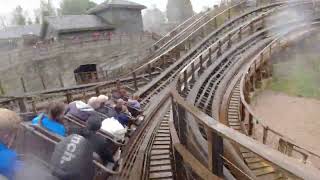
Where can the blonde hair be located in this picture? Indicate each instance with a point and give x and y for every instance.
(9, 120)
(103, 99)
(94, 102)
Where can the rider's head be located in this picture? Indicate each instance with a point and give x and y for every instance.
(9, 124)
(56, 111)
(94, 123)
(103, 100)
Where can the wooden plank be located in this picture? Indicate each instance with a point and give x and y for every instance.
(162, 135)
(160, 162)
(164, 131)
(195, 165)
(263, 171)
(155, 152)
(157, 157)
(162, 139)
(289, 164)
(253, 160)
(162, 142)
(154, 147)
(160, 168)
(158, 175)
(260, 165)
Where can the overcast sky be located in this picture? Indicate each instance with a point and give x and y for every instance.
(8, 5)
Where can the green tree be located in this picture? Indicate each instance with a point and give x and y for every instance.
(29, 22)
(47, 8)
(37, 20)
(18, 16)
(74, 7)
(92, 4)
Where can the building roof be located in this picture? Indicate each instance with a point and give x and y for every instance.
(19, 31)
(115, 4)
(70, 23)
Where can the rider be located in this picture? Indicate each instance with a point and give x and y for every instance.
(72, 159)
(9, 123)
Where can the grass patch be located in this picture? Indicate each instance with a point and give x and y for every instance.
(298, 76)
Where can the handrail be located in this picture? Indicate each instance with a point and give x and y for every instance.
(194, 32)
(223, 39)
(100, 84)
(253, 66)
(271, 155)
(41, 134)
(174, 31)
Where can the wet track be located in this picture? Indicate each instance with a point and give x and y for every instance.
(202, 63)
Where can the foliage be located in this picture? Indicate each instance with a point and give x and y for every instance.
(18, 16)
(3, 22)
(29, 21)
(75, 7)
(37, 20)
(298, 77)
(153, 20)
(47, 8)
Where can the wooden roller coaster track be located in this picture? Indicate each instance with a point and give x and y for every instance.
(202, 59)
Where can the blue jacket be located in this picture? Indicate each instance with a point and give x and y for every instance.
(8, 162)
(122, 118)
(50, 125)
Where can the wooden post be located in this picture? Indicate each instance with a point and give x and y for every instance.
(247, 92)
(179, 85)
(250, 131)
(42, 82)
(215, 151)
(193, 78)
(210, 58)
(177, 54)
(185, 81)
(69, 97)
(84, 96)
(242, 112)
(182, 125)
(240, 33)
(229, 14)
(219, 49)
(304, 158)
(258, 78)
(106, 75)
(229, 41)
(178, 165)
(97, 91)
(34, 106)
(61, 80)
(252, 84)
(22, 105)
(150, 71)
(215, 23)
(135, 80)
(265, 134)
(201, 65)
(162, 60)
(251, 27)
(270, 51)
(285, 147)
(263, 19)
(1, 89)
(23, 85)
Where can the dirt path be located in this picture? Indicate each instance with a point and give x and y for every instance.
(295, 117)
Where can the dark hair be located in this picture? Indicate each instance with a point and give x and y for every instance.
(94, 123)
(118, 109)
(56, 110)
